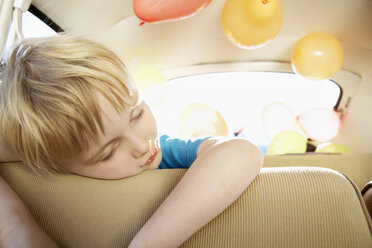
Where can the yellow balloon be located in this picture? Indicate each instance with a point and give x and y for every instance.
(252, 23)
(146, 78)
(317, 56)
(151, 84)
(288, 141)
(199, 119)
(329, 147)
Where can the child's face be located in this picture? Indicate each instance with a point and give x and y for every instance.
(129, 145)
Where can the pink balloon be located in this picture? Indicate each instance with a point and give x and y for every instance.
(166, 10)
(320, 124)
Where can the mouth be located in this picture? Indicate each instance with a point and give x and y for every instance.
(152, 157)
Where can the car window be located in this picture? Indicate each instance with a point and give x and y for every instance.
(251, 103)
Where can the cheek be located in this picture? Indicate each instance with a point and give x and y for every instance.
(151, 123)
(116, 168)
(120, 166)
(149, 118)
(146, 127)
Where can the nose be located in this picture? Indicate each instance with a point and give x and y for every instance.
(140, 146)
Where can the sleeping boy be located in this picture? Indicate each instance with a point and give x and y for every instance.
(68, 105)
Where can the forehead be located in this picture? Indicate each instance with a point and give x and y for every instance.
(112, 116)
(132, 101)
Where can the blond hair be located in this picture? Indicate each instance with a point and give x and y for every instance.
(48, 97)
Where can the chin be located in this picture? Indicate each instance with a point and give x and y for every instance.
(157, 161)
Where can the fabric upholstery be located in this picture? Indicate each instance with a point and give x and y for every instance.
(357, 167)
(283, 207)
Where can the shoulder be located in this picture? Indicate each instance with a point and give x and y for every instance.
(235, 143)
(180, 143)
(179, 152)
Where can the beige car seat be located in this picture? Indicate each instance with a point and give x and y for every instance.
(283, 207)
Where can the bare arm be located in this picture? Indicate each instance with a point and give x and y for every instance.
(17, 226)
(220, 174)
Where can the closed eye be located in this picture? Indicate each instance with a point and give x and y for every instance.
(108, 157)
(139, 116)
(111, 153)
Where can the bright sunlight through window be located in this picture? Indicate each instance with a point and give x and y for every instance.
(253, 104)
(34, 27)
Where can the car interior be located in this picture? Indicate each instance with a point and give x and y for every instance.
(224, 68)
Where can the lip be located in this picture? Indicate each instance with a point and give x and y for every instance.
(152, 157)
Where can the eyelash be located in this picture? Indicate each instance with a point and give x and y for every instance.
(108, 157)
(111, 154)
(139, 116)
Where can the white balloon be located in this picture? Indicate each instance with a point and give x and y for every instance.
(277, 117)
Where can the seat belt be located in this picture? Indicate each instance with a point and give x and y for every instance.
(11, 11)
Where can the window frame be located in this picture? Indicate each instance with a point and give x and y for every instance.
(44, 18)
(346, 80)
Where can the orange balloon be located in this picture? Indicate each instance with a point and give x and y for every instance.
(252, 23)
(166, 10)
(200, 119)
(317, 56)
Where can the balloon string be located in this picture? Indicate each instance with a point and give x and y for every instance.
(238, 132)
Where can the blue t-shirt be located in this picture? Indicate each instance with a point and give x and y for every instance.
(178, 153)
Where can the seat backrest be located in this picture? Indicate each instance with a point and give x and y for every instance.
(357, 167)
(283, 207)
